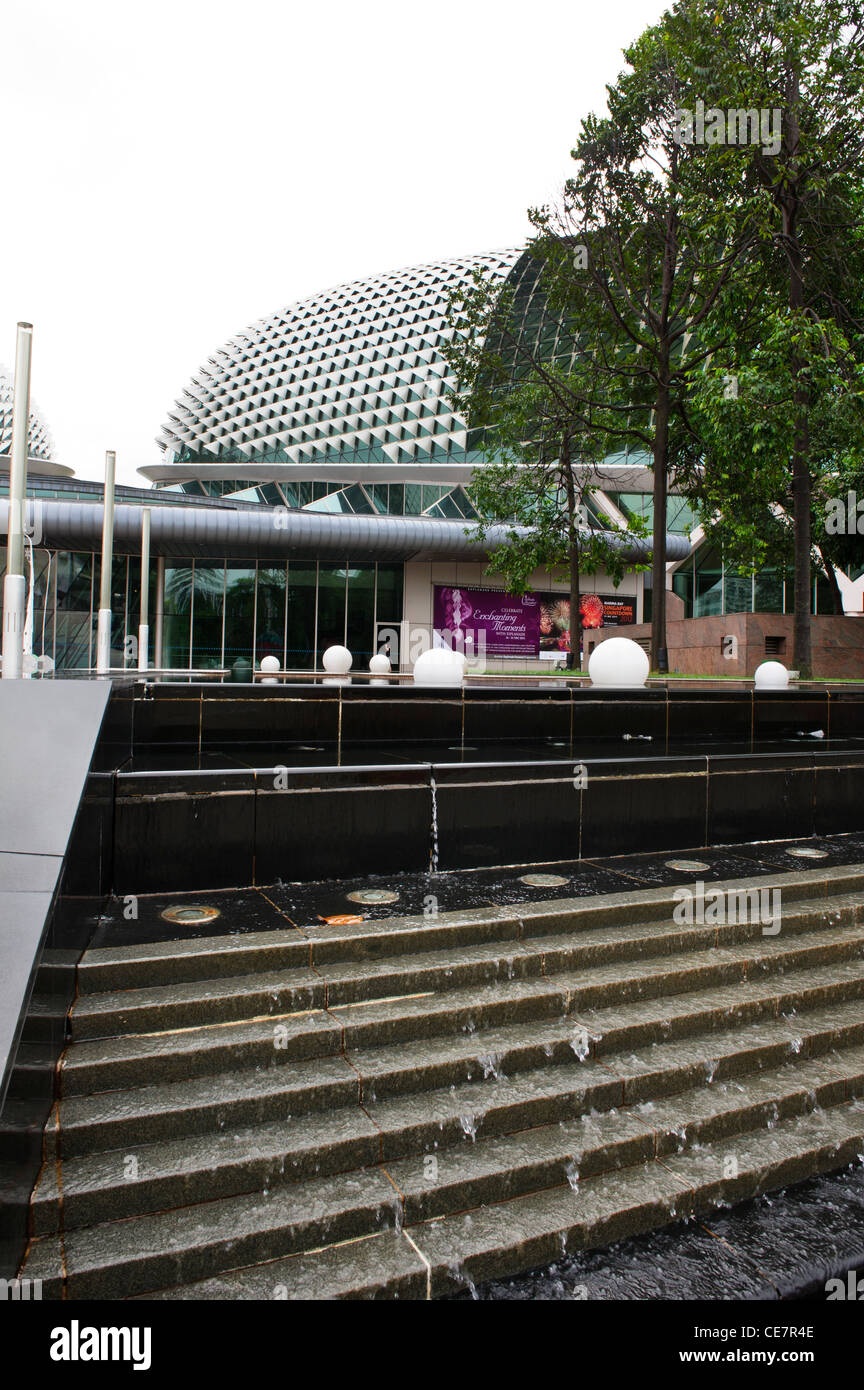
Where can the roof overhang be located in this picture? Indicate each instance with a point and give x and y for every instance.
(616, 477)
(40, 468)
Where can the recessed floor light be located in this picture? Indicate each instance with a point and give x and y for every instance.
(373, 895)
(805, 853)
(688, 866)
(190, 916)
(543, 880)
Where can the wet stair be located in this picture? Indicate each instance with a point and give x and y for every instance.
(398, 1108)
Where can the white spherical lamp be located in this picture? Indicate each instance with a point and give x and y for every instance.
(771, 675)
(379, 665)
(618, 663)
(438, 666)
(269, 664)
(337, 659)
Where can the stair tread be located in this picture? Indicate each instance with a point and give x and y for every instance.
(177, 1157)
(385, 1264)
(84, 1052)
(221, 1087)
(167, 1245)
(393, 1108)
(528, 955)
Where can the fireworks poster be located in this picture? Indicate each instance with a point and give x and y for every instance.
(595, 610)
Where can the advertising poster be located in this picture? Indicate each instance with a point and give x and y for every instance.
(526, 626)
(595, 610)
(470, 618)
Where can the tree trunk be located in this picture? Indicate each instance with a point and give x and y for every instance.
(801, 483)
(573, 655)
(659, 656)
(574, 661)
(659, 661)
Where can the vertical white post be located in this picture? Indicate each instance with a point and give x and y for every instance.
(103, 628)
(144, 620)
(14, 585)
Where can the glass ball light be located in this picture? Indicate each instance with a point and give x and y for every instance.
(618, 663)
(269, 664)
(379, 665)
(438, 666)
(771, 675)
(337, 659)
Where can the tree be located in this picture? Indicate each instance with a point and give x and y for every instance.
(526, 404)
(642, 249)
(792, 423)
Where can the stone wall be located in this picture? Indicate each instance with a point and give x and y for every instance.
(696, 645)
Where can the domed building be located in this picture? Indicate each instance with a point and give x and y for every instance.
(42, 461)
(335, 416)
(328, 403)
(315, 489)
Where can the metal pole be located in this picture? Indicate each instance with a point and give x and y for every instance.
(14, 585)
(143, 622)
(103, 626)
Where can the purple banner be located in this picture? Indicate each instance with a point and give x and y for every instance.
(508, 626)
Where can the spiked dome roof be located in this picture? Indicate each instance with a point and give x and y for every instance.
(352, 375)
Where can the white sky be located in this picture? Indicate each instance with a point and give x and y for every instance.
(175, 170)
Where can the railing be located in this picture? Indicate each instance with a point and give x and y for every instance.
(540, 679)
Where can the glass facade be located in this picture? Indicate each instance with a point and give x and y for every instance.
(357, 499)
(681, 519)
(216, 613)
(709, 587)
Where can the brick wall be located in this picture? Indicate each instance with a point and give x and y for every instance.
(696, 644)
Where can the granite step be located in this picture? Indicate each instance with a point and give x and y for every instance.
(107, 969)
(145, 1114)
(443, 1256)
(696, 953)
(458, 1097)
(158, 1252)
(107, 1186)
(172, 1054)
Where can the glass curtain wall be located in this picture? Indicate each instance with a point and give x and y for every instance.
(300, 609)
(208, 596)
(360, 617)
(270, 614)
(332, 585)
(215, 614)
(239, 647)
(707, 586)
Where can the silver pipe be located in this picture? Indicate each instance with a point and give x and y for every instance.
(103, 629)
(14, 584)
(215, 532)
(144, 617)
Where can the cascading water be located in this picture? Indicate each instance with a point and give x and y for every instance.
(433, 856)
